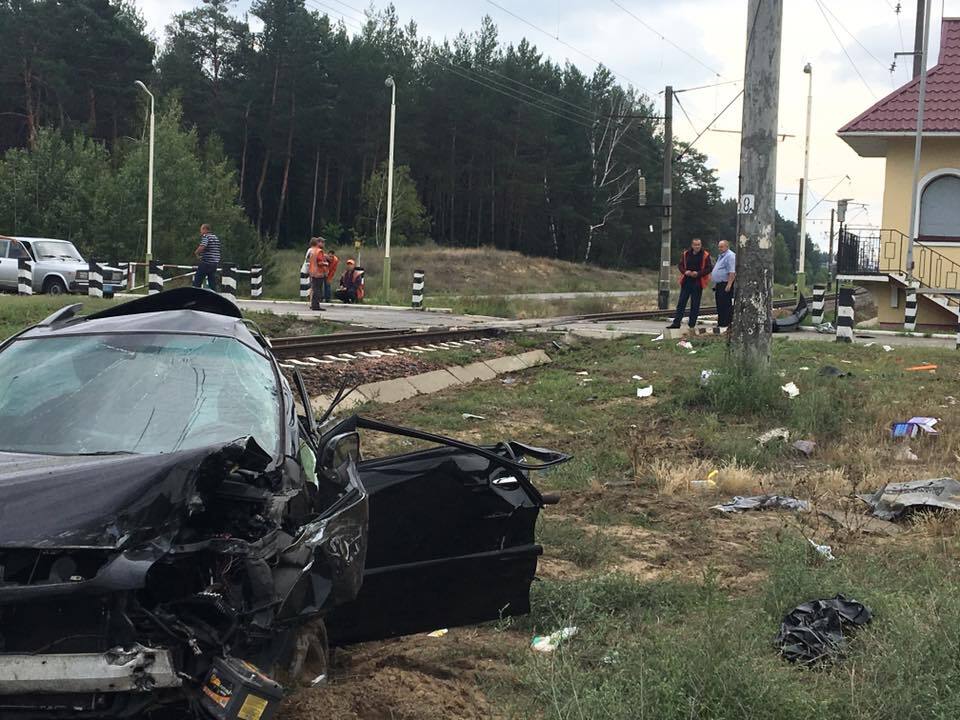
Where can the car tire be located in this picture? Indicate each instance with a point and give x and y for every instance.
(54, 286)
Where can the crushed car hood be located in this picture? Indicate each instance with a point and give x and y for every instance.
(107, 501)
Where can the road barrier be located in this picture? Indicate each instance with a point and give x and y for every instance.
(819, 298)
(25, 277)
(94, 279)
(304, 280)
(229, 277)
(910, 311)
(418, 285)
(845, 315)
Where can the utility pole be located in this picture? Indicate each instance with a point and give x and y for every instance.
(921, 57)
(833, 212)
(923, 18)
(802, 250)
(753, 316)
(666, 223)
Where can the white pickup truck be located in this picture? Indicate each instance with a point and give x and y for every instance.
(58, 267)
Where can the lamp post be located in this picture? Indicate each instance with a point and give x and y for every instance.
(386, 254)
(149, 184)
(918, 141)
(802, 250)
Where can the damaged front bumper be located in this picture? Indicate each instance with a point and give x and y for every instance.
(135, 669)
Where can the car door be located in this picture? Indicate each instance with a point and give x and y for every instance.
(450, 538)
(8, 267)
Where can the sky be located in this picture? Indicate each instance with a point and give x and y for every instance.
(691, 43)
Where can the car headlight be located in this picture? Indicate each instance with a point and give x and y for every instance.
(83, 274)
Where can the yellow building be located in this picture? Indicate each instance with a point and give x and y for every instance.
(877, 259)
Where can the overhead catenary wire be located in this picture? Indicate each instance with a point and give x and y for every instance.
(863, 47)
(665, 38)
(716, 117)
(844, 49)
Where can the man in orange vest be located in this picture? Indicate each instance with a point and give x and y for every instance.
(317, 269)
(695, 267)
(332, 263)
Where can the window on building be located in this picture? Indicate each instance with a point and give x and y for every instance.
(940, 210)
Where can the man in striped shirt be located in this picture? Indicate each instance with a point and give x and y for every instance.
(209, 253)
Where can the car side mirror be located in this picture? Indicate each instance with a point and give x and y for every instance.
(339, 449)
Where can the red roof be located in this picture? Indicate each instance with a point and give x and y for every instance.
(897, 112)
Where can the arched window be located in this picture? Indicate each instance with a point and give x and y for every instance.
(940, 210)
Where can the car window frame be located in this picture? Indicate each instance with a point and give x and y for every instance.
(5, 245)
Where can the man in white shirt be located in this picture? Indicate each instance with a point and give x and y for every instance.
(724, 275)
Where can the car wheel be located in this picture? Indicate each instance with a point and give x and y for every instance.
(54, 286)
(310, 664)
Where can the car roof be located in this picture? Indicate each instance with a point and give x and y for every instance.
(182, 311)
(34, 239)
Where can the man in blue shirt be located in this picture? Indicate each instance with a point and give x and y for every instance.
(209, 253)
(724, 275)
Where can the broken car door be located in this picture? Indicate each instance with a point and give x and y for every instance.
(451, 537)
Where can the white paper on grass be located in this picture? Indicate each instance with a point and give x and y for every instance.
(791, 389)
(887, 348)
(658, 338)
(645, 392)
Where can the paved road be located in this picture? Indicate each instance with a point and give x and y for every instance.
(566, 295)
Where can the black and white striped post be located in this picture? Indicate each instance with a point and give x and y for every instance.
(418, 285)
(228, 283)
(845, 302)
(156, 278)
(25, 276)
(256, 281)
(94, 279)
(910, 310)
(304, 280)
(819, 295)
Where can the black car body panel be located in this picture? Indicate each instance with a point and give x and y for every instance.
(160, 562)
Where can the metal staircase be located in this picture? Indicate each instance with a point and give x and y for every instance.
(873, 251)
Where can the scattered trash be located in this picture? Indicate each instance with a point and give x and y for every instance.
(814, 631)
(692, 352)
(887, 348)
(847, 362)
(775, 434)
(762, 502)
(658, 338)
(582, 372)
(804, 368)
(637, 377)
(831, 371)
(685, 344)
(896, 499)
(705, 376)
(319, 680)
(922, 368)
(790, 389)
(471, 416)
(905, 454)
(645, 392)
(508, 380)
(438, 633)
(549, 643)
(806, 447)
(825, 550)
(709, 484)
(869, 344)
(611, 658)
(825, 328)
(586, 380)
(950, 400)
(913, 427)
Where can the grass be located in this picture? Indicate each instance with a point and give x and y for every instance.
(454, 271)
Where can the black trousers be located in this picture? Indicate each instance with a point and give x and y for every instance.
(724, 304)
(347, 296)
(689, 292)
(206, 271)
(316, 292)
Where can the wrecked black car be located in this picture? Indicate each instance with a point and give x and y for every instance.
(178, 532)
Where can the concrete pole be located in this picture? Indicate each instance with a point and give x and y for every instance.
(802, 250)
(923, 16)
(386, 252)
(153, 125)
(918, 140)
(666, 223)
(753, 307)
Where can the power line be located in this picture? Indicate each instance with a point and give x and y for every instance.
(717, 117)
(840, 43)
(684, 111)
(333, 12)
(575, 49)
(854, 37)
(704, 87)
(665, 38)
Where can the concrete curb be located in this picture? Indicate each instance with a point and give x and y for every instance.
(392, 391)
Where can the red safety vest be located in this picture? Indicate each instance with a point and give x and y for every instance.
(704, 258)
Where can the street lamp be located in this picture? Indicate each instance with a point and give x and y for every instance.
(386, 255)
(802, 252)
(149, 183)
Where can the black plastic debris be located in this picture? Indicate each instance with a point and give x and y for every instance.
(815, 631)
(832, 371)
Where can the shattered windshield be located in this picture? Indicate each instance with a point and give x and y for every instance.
(47, 249)
(134, 393)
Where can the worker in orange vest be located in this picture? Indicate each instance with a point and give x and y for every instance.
(317, 269)
(695, 267)
(332, 262)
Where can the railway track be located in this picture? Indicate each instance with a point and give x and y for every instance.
(367, 340)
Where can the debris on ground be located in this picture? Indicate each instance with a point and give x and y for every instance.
(790, 389)
(709, 484)
(928, 367)
(705, 376)
(685, 344)
(860, 523)
(806, 447)
(762, 502)
(582, 372)
(645, 392)
(549, 643)
(826, 328)
(824, 551)
(804, 368)
(887, 348)
(895, 500)
(658, 338)
(914, 427)
(905, 454)
(509, 380)
(471, 416)
(847, 362)
(638, 378)
(814, 631)
(438, 633)
(775, 434)
(832, 371)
